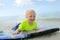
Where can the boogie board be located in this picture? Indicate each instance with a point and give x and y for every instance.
(40, 32)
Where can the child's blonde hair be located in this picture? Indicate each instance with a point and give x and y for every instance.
(30, 11)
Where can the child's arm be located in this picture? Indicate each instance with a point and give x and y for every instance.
(16, 32)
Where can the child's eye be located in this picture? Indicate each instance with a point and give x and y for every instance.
(33, 16)
(30, 16)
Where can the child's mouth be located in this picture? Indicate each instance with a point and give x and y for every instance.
(31, 20)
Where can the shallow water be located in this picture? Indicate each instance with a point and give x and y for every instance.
(6, 26)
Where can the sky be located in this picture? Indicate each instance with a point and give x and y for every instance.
(43, 8)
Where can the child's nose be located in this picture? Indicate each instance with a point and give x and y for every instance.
(33, 17)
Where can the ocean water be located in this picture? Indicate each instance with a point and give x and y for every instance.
(7, 23)
(10, 22)
(49, 23)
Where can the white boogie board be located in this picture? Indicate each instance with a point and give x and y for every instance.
(23, 35)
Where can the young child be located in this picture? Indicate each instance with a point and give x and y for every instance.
(29, 23)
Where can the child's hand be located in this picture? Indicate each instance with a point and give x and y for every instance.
(16, 32)
(36, 29)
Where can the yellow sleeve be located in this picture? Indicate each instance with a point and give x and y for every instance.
(21, 26)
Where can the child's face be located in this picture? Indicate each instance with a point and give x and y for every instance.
(31, 17)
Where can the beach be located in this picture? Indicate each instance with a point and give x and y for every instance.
(8, 25)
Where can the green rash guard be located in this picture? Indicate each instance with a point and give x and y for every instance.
(25, 26)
